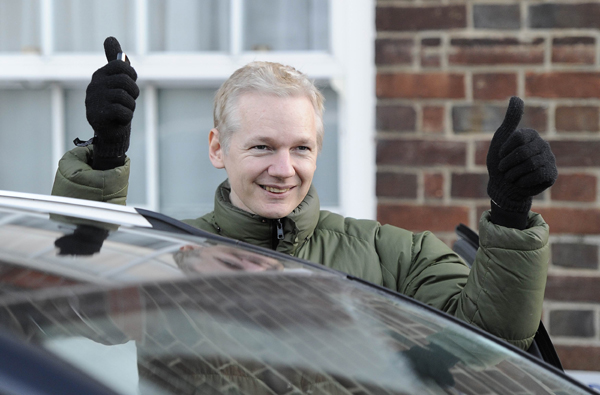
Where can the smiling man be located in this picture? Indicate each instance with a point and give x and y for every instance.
(272, 157)
(267, 133)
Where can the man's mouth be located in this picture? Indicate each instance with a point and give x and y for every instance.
(274, 189)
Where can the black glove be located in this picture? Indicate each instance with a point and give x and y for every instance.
(432, 363)
(110, 102)
(521, 165)
(85, 240)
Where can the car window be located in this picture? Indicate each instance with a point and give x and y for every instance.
(154, 312)
(279, 332)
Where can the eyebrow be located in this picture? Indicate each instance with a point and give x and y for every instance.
(271, 141)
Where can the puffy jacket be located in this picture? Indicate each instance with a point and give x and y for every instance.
(502, 293)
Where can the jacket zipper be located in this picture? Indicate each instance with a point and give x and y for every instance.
(278, 234)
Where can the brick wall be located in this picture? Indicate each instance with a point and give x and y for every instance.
(445, 72)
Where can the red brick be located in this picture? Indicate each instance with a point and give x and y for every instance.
(396, 118)
(421, 152)
(483, 116)
(572, 323)
(571, 220)
(420, 18)
(576, 153)
(396, 185)
(573, 40)
(494, 86)
(574, 50)
(573, 288)
(481, 151)
(579, 357)
(477, 117)
(535, 118)
(563, 85)
(469, 185)
(425, 86)
(420, 218)
(577, 119)
(574, 53)
(561, 16)
(434, 185)
(433, 119)
(496, 16)
(393, 51)
(575, 255)
(431, 60)
(465, 51)
(430, 52)
(574, 188)
(431, 42)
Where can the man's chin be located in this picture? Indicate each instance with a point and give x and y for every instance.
(277, 212)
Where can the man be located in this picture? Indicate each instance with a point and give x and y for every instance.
(267, 134)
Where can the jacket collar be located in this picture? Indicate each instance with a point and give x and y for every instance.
(238, 224)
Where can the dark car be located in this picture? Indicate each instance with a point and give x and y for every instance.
(97, 298)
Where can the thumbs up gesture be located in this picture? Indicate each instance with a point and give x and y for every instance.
(110, 103)
(520, 163)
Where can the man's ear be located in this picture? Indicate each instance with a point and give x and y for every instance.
(215, 149)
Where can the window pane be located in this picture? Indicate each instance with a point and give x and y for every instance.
(82, 25)
(25, 140)
(187, 178)
(326, 176)
(20, 26)
(286, 25)
(76, 125)
(188, 25)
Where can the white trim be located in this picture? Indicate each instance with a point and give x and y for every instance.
(57, 101)
(160, 67)
(152, 155)
(46, 31)
(354, 48)
(141, 27)
(236, 27)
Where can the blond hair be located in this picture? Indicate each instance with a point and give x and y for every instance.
(266, 78)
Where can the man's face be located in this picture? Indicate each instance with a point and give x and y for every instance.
(272, 158)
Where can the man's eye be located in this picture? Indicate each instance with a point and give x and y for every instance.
(260, 147)
(230, 264)
(303, 148)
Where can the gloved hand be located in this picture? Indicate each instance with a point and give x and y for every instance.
(432, 363)
(85, 240)
(110, 103)
(520, 165)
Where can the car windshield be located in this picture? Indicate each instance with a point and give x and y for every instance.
(150, 312)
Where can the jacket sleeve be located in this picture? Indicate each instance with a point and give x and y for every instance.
(76, 178)
(502, 293)
(505, 290)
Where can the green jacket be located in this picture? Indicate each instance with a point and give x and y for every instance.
(502, 293)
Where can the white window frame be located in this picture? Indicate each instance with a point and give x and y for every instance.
(349, 68)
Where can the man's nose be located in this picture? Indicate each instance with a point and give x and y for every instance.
(282, 166)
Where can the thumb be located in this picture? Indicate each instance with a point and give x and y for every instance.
(111, 48)
(513, 116)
